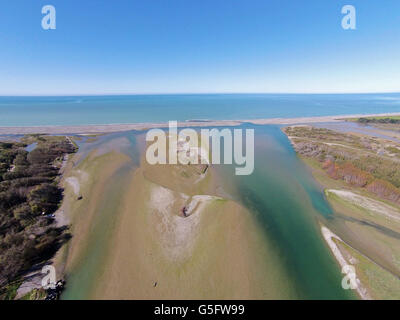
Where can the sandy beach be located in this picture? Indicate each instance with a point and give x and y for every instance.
(108, 128)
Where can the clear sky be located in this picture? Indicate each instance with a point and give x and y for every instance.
(196, 46)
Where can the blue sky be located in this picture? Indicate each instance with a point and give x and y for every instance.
(187, 46)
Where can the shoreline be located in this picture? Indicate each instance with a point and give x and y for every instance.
(361, 248)
(328, 235)
(110, 128)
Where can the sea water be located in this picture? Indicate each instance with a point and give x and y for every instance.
(82, 110)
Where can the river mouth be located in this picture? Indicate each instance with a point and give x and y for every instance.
(278, 208)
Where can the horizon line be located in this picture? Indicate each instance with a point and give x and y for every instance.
(192, 93)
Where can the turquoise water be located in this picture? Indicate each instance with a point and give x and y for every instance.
(288, 204)
(38, 111)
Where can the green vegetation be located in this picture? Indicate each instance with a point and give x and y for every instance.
(383, 120)
(381, 283)
(9, 291)
(393, 150)
(35, 294)
(29, 195)
(368, 168)
(358, 160)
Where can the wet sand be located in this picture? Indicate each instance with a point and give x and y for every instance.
(137, 244)
(107, 128)
(94, 175)
(216, 253)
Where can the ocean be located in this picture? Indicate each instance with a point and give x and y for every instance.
(83, 110)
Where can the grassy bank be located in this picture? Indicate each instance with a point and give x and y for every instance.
(367, 221)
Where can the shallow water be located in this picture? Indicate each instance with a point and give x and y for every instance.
(84, 276)
(285, 201)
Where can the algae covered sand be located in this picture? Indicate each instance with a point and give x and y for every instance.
(215, 253)
(179, 231)
(212, 250)
(136, 243)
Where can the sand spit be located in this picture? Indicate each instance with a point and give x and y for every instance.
(178, 233)
(329, 236)
(304, 120)
(198, 202)
(375, 206)
(107, 128)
